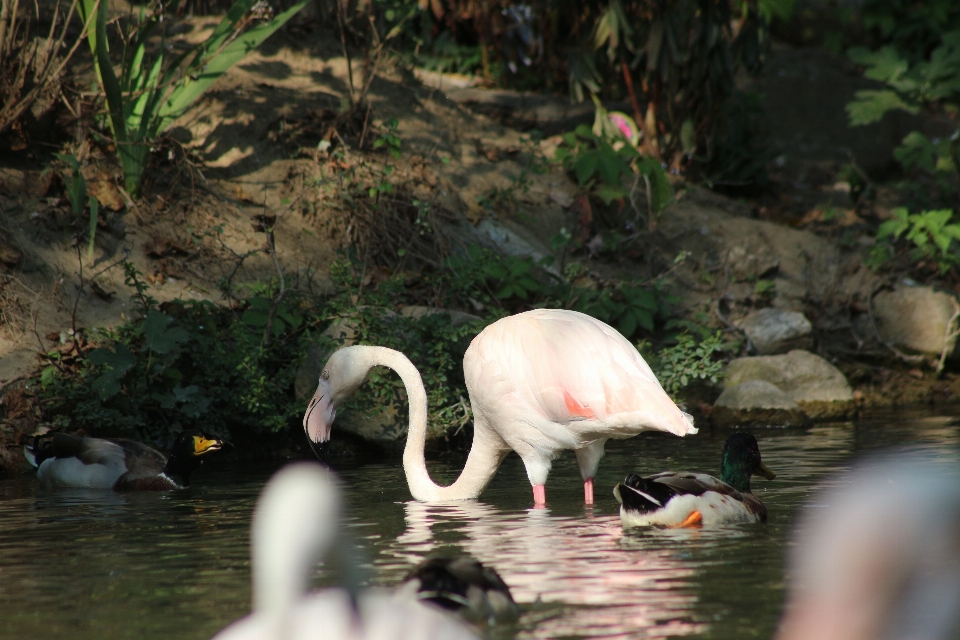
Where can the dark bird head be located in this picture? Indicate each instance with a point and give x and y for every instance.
(741, 459)
(189, 449)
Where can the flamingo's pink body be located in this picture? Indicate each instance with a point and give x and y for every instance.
(539, 382)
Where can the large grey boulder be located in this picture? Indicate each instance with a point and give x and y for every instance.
(916, 319)
(772, 331)
(756, 402)
(818, 387)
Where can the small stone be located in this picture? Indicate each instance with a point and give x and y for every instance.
(772, 331)
(9, 255)
(457, 318)
(756, 402)
(915, 319)
(818, 387)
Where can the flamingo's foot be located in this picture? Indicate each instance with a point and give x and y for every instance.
(539, 495)
(588, 491)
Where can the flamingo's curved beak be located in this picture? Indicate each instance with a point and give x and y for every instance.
(319, 416)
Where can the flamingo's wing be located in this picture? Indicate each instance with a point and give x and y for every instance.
(570, 369)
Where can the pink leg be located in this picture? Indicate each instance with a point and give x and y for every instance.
(539, 495)
(588, 491)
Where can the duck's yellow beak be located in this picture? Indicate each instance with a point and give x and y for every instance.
(764, 470)
(202, 445)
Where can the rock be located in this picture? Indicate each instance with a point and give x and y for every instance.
(386, 427)
(818, 387)
(915, 318)
(9, 255)
(457, 318)
(506, 238)
(802, 266)
(756, 402)
(772, 331)
(308, 374)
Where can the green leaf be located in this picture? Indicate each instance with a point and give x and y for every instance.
(627, 324)
(48, 376)
(869, 106)
(160, 337)
(884, 65)
(916, 150)
(254, 318)
(118, 361)
(585, 166)
(208, 68)
(94, 208)
(896, 226)
(609, 193)
(644, 298)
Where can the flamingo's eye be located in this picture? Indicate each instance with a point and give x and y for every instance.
(325, 374)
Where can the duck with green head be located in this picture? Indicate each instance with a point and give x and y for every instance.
(694, 499)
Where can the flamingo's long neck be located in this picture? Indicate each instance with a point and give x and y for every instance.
(485, 455)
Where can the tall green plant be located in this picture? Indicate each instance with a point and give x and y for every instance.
(79, 198)
(148, 96)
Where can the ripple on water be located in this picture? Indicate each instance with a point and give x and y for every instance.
(100, 565)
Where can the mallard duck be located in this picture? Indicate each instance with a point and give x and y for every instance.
(296, 523)
(64, 460)
(462, 584)
(692, 499)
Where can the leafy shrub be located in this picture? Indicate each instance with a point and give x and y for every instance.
(932, 234)
(912, 84)
(914, 27)
(182, 364)
(689, 360)
(602, 166)
(607, 164)
(185, 364)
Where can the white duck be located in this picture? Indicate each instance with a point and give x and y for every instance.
(539, 382)
(296, 521)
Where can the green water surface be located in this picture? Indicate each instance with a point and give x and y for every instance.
(100, 565)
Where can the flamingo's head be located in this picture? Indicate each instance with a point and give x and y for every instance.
(343, 373)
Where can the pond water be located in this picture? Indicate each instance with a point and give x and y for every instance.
(99, 565)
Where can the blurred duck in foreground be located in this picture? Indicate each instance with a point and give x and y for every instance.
(879, 556)
(695, 499)
(464, 585)
(64, 460)
(295, 524)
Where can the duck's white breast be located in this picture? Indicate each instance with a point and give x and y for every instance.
(70, 472)
(715, 508)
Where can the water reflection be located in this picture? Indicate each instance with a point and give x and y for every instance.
(176, 565)
(610, 589)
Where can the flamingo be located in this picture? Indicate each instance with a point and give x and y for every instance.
(539, 382)
(295, 522)
(879, 555)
